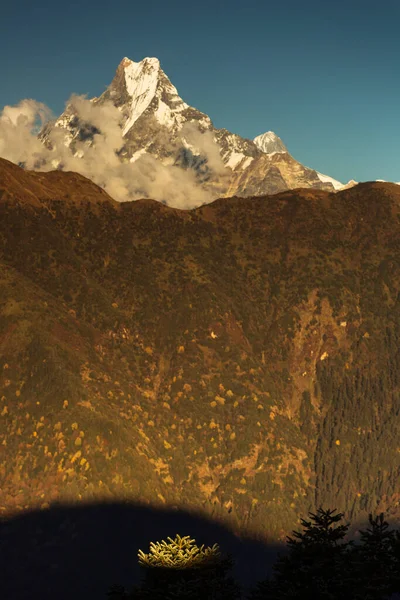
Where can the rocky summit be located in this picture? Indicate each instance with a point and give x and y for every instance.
(241, 357)
(155, 123)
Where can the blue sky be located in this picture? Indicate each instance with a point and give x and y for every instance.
(325, 76)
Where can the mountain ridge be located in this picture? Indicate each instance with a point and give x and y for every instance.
(233, 358)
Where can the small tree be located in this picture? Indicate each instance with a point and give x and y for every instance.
(181, 570)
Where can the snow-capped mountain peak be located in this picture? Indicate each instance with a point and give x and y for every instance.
(143, 86)
(141, 120)
(269, 143)
(141, 80)
(141, 76)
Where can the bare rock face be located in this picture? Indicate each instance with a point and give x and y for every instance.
(156, 122)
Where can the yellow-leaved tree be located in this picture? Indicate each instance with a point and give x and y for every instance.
(179, 569)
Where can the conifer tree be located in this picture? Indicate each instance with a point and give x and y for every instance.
(395, 551)
(315, 566)
(373, 561)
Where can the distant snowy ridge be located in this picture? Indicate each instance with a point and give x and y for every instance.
(385, 181)
(269, 143)
(336, 184)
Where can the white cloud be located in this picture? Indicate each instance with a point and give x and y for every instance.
(205, 144)
(144, 178)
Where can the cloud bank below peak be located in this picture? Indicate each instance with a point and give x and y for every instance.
(99, 161)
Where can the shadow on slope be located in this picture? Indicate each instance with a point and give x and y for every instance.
(78, 551)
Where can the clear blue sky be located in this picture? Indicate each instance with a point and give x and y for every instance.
(324, 75)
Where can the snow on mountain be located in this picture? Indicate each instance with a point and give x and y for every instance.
(385, 181)
(336, 184)
(269, 143)
(141, 83)
(143, 115)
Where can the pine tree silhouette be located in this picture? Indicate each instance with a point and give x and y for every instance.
(373, 562)
(395, 550)
(315, 567)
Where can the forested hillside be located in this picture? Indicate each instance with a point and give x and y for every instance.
(242, 357)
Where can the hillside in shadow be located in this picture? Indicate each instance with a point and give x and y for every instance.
(78, 552)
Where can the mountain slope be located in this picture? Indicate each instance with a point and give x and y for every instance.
(156, 123)
(242, 357)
